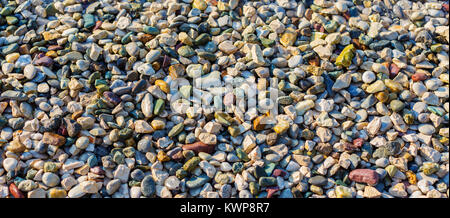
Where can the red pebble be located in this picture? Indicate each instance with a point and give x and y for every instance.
(322, 29)
(346, 15)
(97, 25)
(15, 191)
(279, 172)
(54, 47)
(445, 6)
(176, 156)
(62, 131)
(97, 170)
(358, 142)
(419, 77)
(393, 71)
(271, 191)
(199, 147)
(364, 176)
(349, 146)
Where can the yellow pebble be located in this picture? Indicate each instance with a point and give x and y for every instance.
(77, 16)
(57, 193)
(51, 54)
(407, 156)
(162, 85)
(162, 156)
(444, 77)
(222, 6)
(374, 17)
(367, 4)
(11, 58)
(316, 189)
(411, 177)
(200, 4)
(343, 192)
(84, 170)
(281, 127)
(50, 36)
(190, 113)
(158, 124)
(288, 38)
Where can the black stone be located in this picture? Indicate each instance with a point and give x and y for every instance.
(73, 128)
(148, 186)
(139, 86)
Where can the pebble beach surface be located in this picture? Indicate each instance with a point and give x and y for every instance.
(175, 99)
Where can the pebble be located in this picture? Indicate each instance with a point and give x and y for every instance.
(9, 164)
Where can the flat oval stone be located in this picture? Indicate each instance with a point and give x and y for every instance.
(199, 147)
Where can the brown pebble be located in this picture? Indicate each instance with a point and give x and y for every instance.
(364, 176)
(53, 139)
(199, 147)
(419, 77)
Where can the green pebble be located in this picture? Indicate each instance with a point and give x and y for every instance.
(391, 170)
(126, 38)
(89, 20)
(237, 167)
(207, 55)
(429, 168)
(254, 188)
(181, 174)
(94, 76)
(267, 42)
(151, 30)
(269, 168)
(202, 39)
(7, 11)
(242, 155)
(188, 154)
(133, 183)
(177, 129)
(436, 110)
(186, 51)
(125, 133)
(267, 181)
(11, 20)
(159, 106)
(64, 84)
(331, 26)
(31, 173)
(436, 48)
(50, 167)
(119, 158)
(51, 10)
(129, 152)
(186, 91)
(397, 105)
(191, 164)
